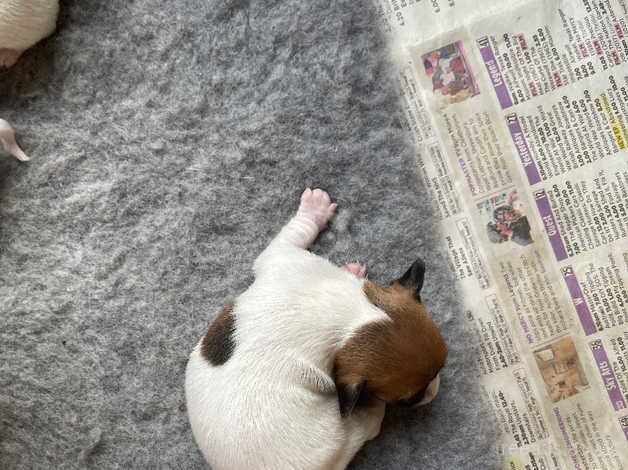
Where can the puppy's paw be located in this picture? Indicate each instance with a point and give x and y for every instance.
(7, 140)
(8, 57)
(357, 269)
(316, 206)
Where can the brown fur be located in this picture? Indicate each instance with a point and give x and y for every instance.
(397, 359)
(218, 344)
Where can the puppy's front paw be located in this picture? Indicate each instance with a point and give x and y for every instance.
(316, 206)
(357, 269)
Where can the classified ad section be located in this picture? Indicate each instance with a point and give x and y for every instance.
(550, 45)
(518, 110)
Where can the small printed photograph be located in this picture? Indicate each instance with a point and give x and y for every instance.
(449, 70)
(506, 220)
(561, 369)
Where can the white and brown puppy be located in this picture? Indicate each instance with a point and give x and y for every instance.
(296, 372)
(22, 24)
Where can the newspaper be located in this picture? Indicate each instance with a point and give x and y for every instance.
(519, 111)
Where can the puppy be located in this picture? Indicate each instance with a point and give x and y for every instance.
(295, 373)
(22, 24)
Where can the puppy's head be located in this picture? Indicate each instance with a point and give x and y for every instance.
(395, 361)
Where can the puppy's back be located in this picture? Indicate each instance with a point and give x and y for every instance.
(260, 395)
(249, 414)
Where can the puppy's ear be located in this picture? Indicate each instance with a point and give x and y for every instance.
(349, 395)
(413, 278)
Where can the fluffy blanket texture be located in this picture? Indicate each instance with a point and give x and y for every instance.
(169, 141)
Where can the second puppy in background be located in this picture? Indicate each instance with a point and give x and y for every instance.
(23, 23)
(7, 139)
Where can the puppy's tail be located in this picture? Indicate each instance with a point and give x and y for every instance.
(7, 137)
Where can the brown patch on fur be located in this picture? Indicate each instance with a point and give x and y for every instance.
(397, 358)
(218, 343)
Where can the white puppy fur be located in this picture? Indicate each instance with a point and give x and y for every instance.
(273, 403)
(22, 24)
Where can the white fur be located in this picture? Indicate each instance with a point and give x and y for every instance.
(273, 404)
(25, 22)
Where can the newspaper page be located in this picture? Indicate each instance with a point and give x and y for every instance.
(518, 110)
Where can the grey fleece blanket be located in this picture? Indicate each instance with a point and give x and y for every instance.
(169, 141)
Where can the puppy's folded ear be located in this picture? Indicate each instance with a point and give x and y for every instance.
(349, 395)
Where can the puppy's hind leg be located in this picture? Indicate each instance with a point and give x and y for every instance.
(315, 210)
